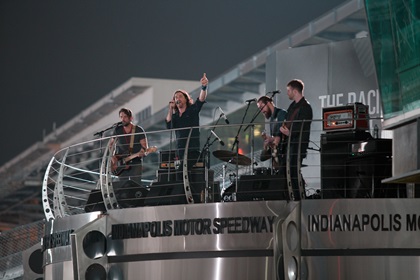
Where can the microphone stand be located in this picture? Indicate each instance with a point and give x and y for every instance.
(259, 111)
(208, 139)
(170, 150)
(101, 134)
(236, 144)
(255, 116)
(206, 160)
(106, 129)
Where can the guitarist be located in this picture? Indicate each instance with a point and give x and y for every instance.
(131, 147)
(276, 116)
(299, 113)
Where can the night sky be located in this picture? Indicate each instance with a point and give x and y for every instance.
(58, 57)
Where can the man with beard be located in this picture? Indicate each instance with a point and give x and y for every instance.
(131, 147)
(276, 116)
(184, 113)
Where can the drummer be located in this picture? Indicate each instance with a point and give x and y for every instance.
(276, 116)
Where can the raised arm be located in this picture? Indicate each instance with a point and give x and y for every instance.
(204, 82)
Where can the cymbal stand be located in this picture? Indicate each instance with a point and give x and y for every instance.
(171, 132)
(252, 149)
(223, 175)
(236, 145)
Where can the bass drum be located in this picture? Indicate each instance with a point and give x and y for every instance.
(228, 194)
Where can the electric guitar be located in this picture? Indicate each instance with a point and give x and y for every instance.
(119, 164)
(283, 140)
(272, 147)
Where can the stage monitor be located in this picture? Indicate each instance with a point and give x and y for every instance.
(262, 187)
(165, 193)
(128, 193)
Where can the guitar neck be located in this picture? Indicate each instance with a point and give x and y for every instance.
(148, 151)
(133, 156)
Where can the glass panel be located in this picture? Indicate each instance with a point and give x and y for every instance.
(395, 33)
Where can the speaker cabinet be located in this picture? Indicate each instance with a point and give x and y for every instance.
(262, 187)
(128, 193)
(169, 175)
(95, 202)
(165, 193)
(364, 177)
(335, 150)
(170, 187)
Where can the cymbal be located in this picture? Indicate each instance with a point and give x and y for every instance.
(231, 157)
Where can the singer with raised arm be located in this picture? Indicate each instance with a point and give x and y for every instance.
(131, 147)
(183, 112)
(276, 116)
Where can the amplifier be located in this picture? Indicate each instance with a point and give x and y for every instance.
(165, 165)
(167, 159)
(350, 117)
(168, 175)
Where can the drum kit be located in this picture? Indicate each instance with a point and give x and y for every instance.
(230, 192)
(227, 194)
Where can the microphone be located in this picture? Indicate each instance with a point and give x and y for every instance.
(217, 137)
(118, 124)
(251, 100)
(177, 102)
(274, 91)
(223, 115)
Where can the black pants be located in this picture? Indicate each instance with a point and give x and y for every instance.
(294, 174)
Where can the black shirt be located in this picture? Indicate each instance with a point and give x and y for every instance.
(123, 141)
(190, 118)
(304, 112)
